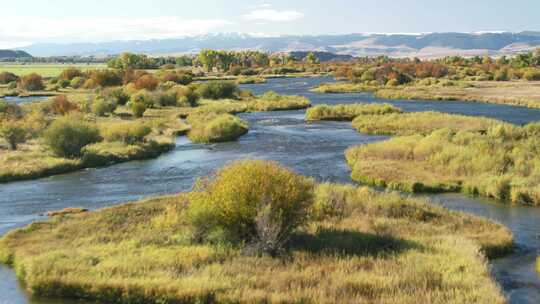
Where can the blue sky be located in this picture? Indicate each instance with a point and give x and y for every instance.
(33, 21)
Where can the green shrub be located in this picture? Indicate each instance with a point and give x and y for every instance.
(138, 109)
(144, 97)
(218, 90)
(211, 128)
(186, 96)
(13, 132)
(63, 83)
(166, 98)
(102, 107)
(77, 82)
(68, 135)
(116, 94)
(252, 202)
(126, 132)
(12, 85)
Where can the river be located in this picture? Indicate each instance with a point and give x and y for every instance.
(312, 149)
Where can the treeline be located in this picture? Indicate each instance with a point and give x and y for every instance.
(210, 60)
(389, 71)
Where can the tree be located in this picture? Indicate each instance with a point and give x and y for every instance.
(208, 59)
(311, 58)
(13, 132)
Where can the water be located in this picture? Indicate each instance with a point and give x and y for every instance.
(19, 100)
(312, 149)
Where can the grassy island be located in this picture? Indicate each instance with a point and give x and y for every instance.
(500, 163)
(212, 128)
(337, 243)
(420, 123)
(347, 112)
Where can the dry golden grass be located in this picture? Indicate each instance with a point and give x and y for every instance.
(518, 93)
(380, 248)
(420, 123)
(500, 163)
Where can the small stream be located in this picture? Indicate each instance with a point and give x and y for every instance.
(316, 150)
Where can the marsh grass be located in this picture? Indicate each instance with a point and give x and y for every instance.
(382, 249)
(329, 88)
(347, 112)
(250, 80)
(501, 163)
(212, 128)
(271, 101)
(420, 123)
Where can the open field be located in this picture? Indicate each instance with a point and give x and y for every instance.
(45, 70)
(363, 247)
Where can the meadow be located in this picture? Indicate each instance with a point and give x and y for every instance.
(45, 70)
(355, 245)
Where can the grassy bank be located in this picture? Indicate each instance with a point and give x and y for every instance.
(347, 112)
(525, 94)
(330, 88)
(420, 123)
(33, 160)
(501, 163)
(361, 246)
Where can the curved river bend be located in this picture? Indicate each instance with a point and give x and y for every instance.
(312, 149)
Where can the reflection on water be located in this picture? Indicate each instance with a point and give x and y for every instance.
(312, 149)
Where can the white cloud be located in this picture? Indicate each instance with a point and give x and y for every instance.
(273, 15)
(101, 29)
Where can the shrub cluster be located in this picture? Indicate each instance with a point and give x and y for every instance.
(68, 135)
(258, 203)
(218, 90)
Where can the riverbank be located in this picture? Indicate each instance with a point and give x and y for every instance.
(366, 244)
(516, 93)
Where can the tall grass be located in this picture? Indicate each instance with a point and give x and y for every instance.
(420, 123)
(502, 163)
(212, 128)
(347, 112)
(382, 248)
(328, 88)
(271, 101)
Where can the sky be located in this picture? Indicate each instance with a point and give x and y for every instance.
(65, 21)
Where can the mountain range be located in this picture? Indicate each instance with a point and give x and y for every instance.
(426, 45)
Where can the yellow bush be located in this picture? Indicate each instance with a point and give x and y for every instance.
(257, 202)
